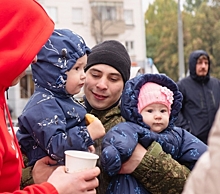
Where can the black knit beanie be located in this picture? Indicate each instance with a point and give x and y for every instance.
(112, 53)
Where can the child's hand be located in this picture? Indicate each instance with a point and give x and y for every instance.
(96, 129)
(91, 149)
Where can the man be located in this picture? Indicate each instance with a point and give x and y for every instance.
(201, 96)
(23, 32)
(107, 70)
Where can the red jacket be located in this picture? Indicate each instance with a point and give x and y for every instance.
(25, 27)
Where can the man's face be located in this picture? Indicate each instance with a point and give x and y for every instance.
(103, 86)
(202, 66)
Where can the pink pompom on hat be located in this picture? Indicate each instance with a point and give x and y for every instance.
(154, 93)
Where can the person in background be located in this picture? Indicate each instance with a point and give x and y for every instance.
(107, 70)
(204, 178)
(201, 96)
(23, 33)
(150, 104)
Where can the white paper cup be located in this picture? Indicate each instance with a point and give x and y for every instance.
(76, 161)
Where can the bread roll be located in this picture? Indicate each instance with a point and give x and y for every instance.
(89, 118)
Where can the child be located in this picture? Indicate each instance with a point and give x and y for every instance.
(150, 104)
(52, 121)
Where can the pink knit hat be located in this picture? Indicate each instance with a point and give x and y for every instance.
(154, 93)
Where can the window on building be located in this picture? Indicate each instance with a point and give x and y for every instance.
(77, 14)
(26, 86)
(128, 17)
(107, 10)
(52, 12)
(130, 47)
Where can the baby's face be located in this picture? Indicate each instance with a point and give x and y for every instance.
(76, 76)
(156, 115)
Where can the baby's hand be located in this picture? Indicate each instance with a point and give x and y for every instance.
(96, 129)
(91, 149)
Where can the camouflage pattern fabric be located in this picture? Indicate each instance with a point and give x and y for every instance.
(159, 172)
(26, 178)
(109, 119)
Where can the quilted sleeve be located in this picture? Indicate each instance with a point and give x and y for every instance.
(117, 146)
(191, 150)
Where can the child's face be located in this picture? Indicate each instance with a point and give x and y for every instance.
(156, 116)
(76, 76)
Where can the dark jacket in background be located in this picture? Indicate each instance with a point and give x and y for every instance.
(201, 97)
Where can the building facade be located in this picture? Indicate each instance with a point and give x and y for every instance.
(95, 21)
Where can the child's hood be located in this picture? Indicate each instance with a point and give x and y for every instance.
(21, 39)
(129, 101)
(56, 57)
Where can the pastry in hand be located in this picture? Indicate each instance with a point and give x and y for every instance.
(89, 118)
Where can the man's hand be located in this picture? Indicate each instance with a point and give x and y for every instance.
(131, 164)
(43, 169)
(83, 182)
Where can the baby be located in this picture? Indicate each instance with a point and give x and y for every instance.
(150, 104)
(53, 121)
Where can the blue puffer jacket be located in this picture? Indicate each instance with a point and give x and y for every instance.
(120, 141)
(52, 121)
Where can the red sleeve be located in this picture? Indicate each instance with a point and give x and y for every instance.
(44, 188)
